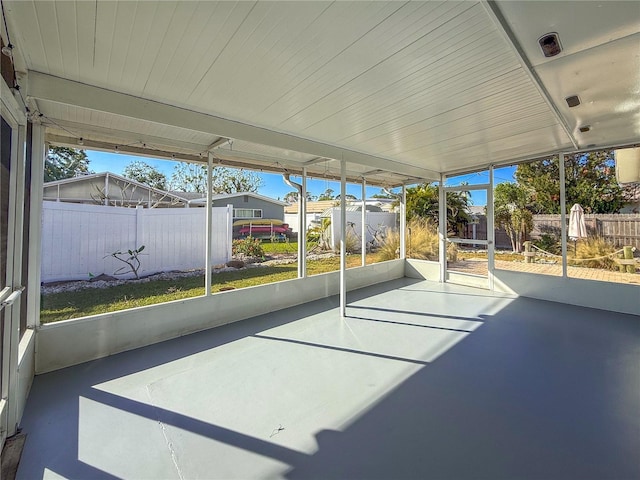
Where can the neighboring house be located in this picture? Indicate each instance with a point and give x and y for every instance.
(373, 205)
(312, 207)
(108, 188)
(246, 205)
(317, 210)
(350, 208)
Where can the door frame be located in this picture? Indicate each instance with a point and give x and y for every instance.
(489, 242)
(12, 287)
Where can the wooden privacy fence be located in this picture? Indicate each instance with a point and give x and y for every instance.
(620, 229)
(77, 239)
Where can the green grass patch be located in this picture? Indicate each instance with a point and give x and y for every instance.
(279, 247)
(95, 301)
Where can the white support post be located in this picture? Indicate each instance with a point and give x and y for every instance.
(106, 190)
(491, 232)
(208, 222)
(302, 228)
(442, 229)
(14, 271)
(363, 227)
(38, 154)
(403, 223)
(563, 214)
(343, 239)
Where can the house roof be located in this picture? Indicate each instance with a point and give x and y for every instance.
(186, 195)
(223, 196)
(312, 207)
(101, 175)
(322, 206)
(400, 91)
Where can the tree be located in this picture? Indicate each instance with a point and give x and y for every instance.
(232, 180)
(382, 194)
(146, 174)
(422, 202)
(326, 195)
(589, 180)
(63, 162)
(291, 197)
(188, 177)
(512, 212)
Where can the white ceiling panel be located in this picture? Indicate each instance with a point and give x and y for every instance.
(591, 75)
(581, 24)
(425, 86)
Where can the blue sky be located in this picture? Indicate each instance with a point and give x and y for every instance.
(275, 187)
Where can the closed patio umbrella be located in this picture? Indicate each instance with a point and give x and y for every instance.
(577, 227)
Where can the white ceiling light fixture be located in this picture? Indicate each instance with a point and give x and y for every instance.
(550, 44)
(8, 50)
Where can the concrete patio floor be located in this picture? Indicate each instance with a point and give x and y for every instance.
(422, 380)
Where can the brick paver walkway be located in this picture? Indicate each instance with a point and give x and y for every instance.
(479, 267)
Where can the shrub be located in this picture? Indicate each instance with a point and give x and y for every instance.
(595, 251)
(352, 243)
(248, 247)
(389, 248)
(548, 243)
(422, 241)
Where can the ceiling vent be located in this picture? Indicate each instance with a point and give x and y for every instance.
(550, 44)
(585, 128)
(572, 101)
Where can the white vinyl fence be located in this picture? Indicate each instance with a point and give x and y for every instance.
(376, 223)
(291, 219)
(77, 239)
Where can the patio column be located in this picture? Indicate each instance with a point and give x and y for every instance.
(491, 232)
(442, 229)
(208, 222)
(302, 217)
(563, 214)
(403, 223)
(302, 228)
(363, 227)
(39, 152)
(343, 239)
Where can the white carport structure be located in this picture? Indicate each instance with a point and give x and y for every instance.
(387, 93)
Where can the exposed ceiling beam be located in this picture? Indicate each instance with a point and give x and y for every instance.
(139, 150)
(68, 92)
(313, 161)
(83, 130)
(224, 160)
(217, 143)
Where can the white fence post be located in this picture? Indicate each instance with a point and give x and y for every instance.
(139, 231)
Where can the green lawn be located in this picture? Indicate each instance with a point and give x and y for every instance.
(94, 301)
(279, 247)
